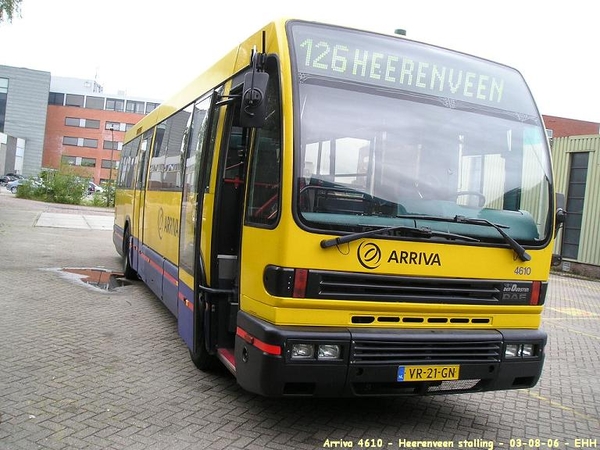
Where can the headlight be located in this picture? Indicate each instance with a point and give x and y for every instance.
(528, 350)
(315, 351)
(520, 351)
(303, 351)
(329, 351)
(512, 351)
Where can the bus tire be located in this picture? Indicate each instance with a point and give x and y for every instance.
(128, 271)
(201, 358)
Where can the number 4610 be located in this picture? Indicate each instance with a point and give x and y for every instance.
(523, 271)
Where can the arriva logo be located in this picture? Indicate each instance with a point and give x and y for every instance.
(369, 255)
(167, 224)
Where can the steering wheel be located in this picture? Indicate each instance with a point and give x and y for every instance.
(479, 195)
(429, 187)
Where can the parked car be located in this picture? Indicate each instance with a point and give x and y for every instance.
(13, 185)
(4, 179)
(94, 188)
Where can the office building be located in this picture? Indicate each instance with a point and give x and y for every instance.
(85, 127)
(23, 109)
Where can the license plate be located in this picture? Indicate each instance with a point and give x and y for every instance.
(428, 373)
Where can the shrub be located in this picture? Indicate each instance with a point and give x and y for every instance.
(30, 189)
(96, 199)
(56, 187)
(65, 188)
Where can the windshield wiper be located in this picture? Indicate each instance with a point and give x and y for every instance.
(428, 232)
(518, 248)
(423, 231)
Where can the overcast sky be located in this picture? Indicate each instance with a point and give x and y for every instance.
(151, 49)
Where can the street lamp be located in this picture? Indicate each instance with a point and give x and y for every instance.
(112, 151)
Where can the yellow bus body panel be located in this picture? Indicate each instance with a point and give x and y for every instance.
(303, 250)
(123, 206)
(161, 223)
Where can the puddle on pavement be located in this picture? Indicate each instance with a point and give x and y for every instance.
(100, 278)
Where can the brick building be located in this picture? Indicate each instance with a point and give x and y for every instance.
(562, 127)
(85, 127)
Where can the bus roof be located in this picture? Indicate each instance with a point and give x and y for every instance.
(234, 61)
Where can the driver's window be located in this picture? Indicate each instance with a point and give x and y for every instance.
(265, 165)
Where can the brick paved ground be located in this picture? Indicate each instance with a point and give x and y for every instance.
(86, 368)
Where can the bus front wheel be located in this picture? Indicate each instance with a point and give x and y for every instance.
(201, 358)
(128, 271)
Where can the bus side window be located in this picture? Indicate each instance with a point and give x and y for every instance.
(263, 195)
(127, 167)
(142, 160)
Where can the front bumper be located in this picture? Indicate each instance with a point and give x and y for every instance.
(370, 359)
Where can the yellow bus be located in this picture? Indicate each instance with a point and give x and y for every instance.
(335, 212)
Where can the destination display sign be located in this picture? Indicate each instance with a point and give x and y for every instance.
(397, 63)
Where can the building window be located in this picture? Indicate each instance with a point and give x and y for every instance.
(82, 123)
(88, 162)
(151, 107)
(135, 107)
(3, 97)
(80, 142)
(56, 98)
(575, 201)
(112, 145)
(74, 100)
(94, 102)
(116, 126)
(79, 161)
(67, 140)
(106, 164)
(114, 104)
(92, 143)
(69, 160)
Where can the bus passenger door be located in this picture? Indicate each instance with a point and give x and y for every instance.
(197, 151)
(139, 197)
(245, 154)
(227, 229)
(210, 231)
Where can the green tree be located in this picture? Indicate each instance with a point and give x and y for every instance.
(8, 9)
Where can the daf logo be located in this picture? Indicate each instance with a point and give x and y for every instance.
(369, 255)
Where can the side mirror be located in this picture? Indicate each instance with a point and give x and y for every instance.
(561, 213)
(556, 260)
(253, 113)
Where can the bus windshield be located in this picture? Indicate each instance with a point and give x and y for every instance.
(393, 132)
